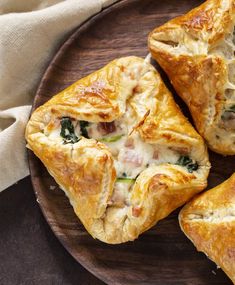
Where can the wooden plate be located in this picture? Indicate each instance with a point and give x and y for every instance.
(163, 255)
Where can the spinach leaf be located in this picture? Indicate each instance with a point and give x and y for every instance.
(184, 160)
(187, 161)
(83, 130)
(192, 167)
(67, 131)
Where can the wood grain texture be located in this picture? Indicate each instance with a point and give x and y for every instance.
(163, 255)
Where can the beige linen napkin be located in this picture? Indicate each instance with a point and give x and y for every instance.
(30, 33)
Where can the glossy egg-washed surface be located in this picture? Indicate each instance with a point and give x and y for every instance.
(209, 222)
(162, 157)
(197, 53)
(154, 257)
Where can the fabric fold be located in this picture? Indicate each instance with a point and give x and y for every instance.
(31, 33)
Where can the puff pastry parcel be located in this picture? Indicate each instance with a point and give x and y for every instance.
(196, 51)
(209, 222)
(120, 148)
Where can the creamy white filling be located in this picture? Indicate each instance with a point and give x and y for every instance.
(132, 160)
(55, 134)
(131, 155)
(120, 195)
(215, 216)
(130, 152)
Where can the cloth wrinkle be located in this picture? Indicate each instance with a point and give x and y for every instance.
(31, 33)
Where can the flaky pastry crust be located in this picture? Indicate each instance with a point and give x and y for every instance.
(86, 169)
(209, 222)
(196, 51)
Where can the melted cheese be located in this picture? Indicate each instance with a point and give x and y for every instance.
(55, 134)
(222, 215)
(132, 161)
(130, 153)
(120, 195)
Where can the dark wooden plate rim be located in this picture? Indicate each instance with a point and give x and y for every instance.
(100, 269)
(77, 31)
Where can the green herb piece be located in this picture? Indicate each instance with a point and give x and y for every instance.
(67, 131)
(111, 139)
(192, 167)
(186, 161)
(83, 130)
(125, 180)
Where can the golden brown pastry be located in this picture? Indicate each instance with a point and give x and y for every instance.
(196, 51)
(209, 222)
(119, 147)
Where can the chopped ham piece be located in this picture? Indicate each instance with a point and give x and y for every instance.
(106, 128)
(129, 143)
(180, 149)
(155, 154)
(130, 156)
(229, 125)
(137, 89)
(228, 120)
(136, 211)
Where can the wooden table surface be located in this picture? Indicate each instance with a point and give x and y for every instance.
(29, 252)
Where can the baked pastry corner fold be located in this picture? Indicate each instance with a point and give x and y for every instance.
(209, 222)
(120, 148)
(196, 51)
